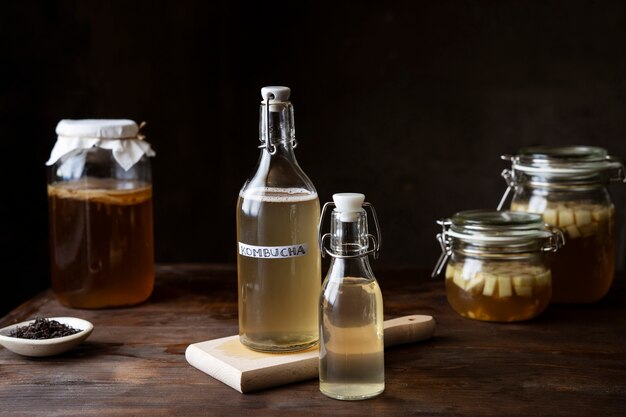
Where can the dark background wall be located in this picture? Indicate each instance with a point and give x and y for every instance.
(409, 102)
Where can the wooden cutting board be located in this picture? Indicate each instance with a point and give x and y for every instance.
(245, 370)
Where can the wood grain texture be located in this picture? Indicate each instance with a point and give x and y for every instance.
(570, 361)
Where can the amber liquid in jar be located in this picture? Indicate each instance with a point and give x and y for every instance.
(101, 239)
(497, 291)
(583, 268)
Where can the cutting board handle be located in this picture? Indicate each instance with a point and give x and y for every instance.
(408, 329)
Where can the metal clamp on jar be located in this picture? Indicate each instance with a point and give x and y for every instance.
(498, 266)
(568, 186)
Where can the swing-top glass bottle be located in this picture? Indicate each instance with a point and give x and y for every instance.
(278, 259)
(352, 363)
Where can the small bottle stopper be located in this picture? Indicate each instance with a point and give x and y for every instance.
(349, 205)
(275, 94)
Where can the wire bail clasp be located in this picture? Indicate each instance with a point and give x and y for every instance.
(555, 241)
(375, 240)
(270, 130)
(446, 246)
(619, 174)
(271, 148)
(509, 177)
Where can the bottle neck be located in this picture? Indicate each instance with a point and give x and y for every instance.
(348, 233)
(349, 245)
(276, 125)
(277, 167)
(277, 133)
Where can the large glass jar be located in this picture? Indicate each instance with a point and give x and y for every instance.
(100, 210)
(568, 187)
(498, 267)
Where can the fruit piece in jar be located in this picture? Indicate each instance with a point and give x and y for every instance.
(582, 217)
(544, 278)
(458, 277)
(572, 231)
(600, 214)
(550, 217)
(566, 217)
(504, 287)
(589, 229)
(523, 285)
(464, 274)
(575, 219)
(449, 271)
(476, 283)
(522, 207)
(490, 285)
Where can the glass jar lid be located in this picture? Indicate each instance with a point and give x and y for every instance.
(501, 232)
(497, 227)
(580, 163)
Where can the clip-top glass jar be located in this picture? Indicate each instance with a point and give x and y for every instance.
(568, 186)
(100, 209)
(498, 268)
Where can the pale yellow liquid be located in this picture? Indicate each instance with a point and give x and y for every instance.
(278, 298)
(352, 363)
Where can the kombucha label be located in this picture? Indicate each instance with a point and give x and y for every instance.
(273, 252)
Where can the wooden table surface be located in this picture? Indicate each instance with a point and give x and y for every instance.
(569, 361)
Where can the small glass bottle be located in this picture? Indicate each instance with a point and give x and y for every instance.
(568, 186)
(499, 268)
(278, 260)
(352, 358)
(100, 209)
